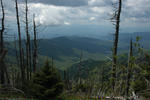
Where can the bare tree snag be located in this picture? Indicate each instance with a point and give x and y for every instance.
(15, 46)
(35, 45)
(129, 68)
(79, 68)
(20, 43)
(28, 46)
(30, 58)
(23, 61)
(2, 53)
(115, 45)
(2, 29)
(27, 61)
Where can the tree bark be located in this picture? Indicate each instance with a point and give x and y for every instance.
(30, 58)
(2, 29)
(129, 68)
(28, 48)
(2, 72)
(79, 68)
(35, 46)
(20, 43)
(115, 45)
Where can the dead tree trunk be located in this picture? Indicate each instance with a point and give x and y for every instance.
(3, 68)
(30, 58)
(65, 79)
(79, 68)
(2, 29)
(27, 38)
(20, 43)
(2, 44)
(28, 48)
(23, 60)
(115, 45)
(16, 51)
(52, 62)
(102, 78)
(35, 46)
(129, 68)
(27, 61)
(3, 55)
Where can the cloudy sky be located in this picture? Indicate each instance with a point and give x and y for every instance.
(56, 13)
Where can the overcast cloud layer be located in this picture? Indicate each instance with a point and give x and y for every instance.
(73, 3)
(68, 12)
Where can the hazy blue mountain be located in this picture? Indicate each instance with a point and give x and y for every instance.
(48, 32)
(66, 50)
(65, 46)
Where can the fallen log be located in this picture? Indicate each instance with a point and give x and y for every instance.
(10, 89)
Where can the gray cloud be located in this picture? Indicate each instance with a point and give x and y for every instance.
(100, 2)
(60, 12)
(72, 3)
(136, 12)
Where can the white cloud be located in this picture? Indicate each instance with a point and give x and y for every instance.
(48, 14)
(136, 12)
(55, 15)
(67, 23)
(68, 3)
(96, 2)
(92, 18)
(101, 10)
(97, 11)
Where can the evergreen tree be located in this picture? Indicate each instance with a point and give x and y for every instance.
(47, 83)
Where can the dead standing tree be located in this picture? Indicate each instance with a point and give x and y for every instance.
(20, 43)
(3, 69)
(2, 28)
(27, 38)
(28, 44)
(80, 68)
(116, 21)
(35, 53)
(129, 68)
(2, 44)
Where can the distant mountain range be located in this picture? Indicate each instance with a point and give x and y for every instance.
(67, 46)
(67, 50)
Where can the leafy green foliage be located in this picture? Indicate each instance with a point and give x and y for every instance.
(86, 67)
(141, 85)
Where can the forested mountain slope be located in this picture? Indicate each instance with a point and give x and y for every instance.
(67, 50)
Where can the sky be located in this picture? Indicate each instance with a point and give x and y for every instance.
(71, 13)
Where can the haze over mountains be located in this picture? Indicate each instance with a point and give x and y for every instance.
(66, 50)
(92, 31)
